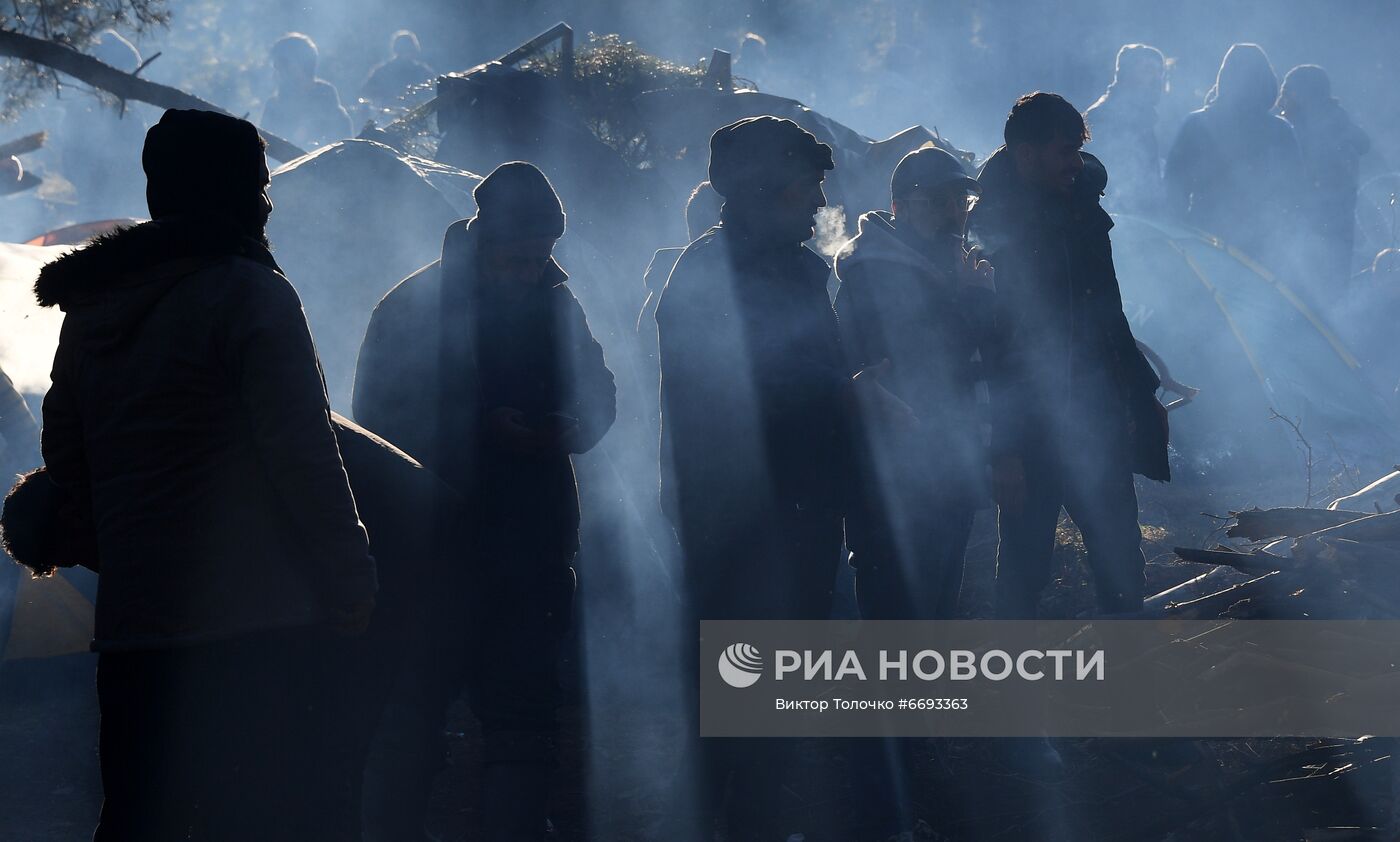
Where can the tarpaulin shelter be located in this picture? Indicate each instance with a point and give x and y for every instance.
(350, 220)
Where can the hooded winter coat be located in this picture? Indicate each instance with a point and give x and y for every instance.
(900, 304)
(444, 349)
(188, 418)
(1067, 371)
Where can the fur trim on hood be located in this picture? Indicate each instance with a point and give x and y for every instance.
(121, 259)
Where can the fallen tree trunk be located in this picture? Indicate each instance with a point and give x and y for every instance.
(1255, 562)
(124, 85)
(28, 143)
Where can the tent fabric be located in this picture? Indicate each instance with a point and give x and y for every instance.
(51, 617)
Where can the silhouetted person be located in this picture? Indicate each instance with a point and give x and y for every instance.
(1332, 145)
(701, 214)
(916, 309)
(486, 372)
(1234, 169)
(421, 586)
(1368, 317)
(1124, 126)
(755, 439)
(388, 81)
(305, 110)
(752, 61)
(188, 422)
(1074, 410)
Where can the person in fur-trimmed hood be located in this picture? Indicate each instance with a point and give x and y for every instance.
(188, 423)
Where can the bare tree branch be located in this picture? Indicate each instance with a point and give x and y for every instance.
(124, 85)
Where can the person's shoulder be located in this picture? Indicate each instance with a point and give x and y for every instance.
(701, 255)
(1280, 126)
(662, 262)
(1195, 120)
(693, 279)
(252, 277)
(1102, 107)
(417, 290)
(238, 288)
(706, 244)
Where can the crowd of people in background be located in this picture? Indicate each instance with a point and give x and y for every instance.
(975, 355)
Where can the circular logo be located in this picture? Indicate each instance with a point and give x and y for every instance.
(740, 665)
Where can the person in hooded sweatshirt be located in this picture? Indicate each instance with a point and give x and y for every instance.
(1235, 169)
(916, 310)
(484, 369)
(1074, 406)
(188, 423)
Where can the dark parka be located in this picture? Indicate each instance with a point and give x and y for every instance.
(188, 418)
(754, 403)
(443, 350)
(1067, 363)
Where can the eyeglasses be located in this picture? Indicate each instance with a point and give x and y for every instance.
(941, 200)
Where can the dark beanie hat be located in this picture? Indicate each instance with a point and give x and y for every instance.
(517, 202)
(929, 167)
(759, 153)
(200, 159)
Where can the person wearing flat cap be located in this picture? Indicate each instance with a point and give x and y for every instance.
(754, 420)
(916, 310)
(484, 369)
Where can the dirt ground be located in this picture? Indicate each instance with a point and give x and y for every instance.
(617, 757)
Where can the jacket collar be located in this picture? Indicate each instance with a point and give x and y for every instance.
(133, 256)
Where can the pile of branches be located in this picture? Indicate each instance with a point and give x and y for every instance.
(609, 74)
(1294, 563)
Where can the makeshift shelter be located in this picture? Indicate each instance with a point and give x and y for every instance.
(352, 219)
